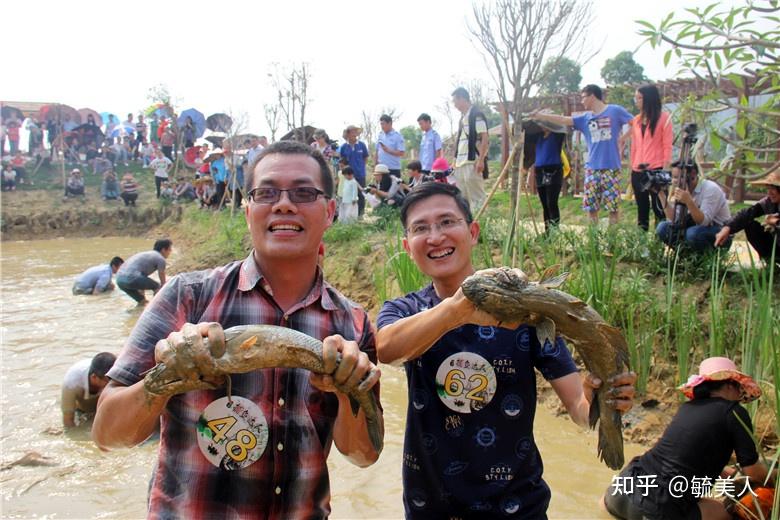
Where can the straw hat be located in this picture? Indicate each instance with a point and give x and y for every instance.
(722, 369)
(351, 127)
(381, 169)
(773, 179)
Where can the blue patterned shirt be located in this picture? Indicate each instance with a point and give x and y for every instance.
(469, 446)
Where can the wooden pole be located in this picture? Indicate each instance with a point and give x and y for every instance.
(503, 174)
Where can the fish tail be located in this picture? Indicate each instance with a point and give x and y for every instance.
(610, 445)
(371, 411)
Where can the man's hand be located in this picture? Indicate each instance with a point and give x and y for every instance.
(772, 220)
(469, 313)
(189, 363)
(384, 147)
(354, 369)
(722, 235)
(479, 166)
(620, 394)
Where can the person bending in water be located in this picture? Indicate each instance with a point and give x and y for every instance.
(83, 383)
(133, 276)
(698, 442)
(97, 279)
(469, 447)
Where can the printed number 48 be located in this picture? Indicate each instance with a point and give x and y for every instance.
(454, 384)
(237, 449)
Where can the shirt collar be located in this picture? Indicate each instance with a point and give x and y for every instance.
(250, 276)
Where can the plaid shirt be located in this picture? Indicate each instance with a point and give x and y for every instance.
(290, 479)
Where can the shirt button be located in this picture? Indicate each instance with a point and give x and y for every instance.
(278, 490)
(281, 401)
(280, 446)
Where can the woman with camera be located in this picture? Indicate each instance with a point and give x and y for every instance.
(651, 138)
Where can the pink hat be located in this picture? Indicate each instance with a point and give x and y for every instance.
(440, 165)
(722, 369)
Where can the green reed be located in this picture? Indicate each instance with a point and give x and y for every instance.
(684, 328)
(407, 276)
(640, 317)
(718, 311)
(597, 274)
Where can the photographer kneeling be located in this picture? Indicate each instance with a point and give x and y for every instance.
(707, 211)
(386, 188)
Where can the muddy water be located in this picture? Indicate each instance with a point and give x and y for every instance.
(45, 329)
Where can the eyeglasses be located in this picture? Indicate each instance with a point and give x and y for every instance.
(423, 230)
(300, 195)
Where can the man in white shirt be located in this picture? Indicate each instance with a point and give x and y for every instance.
(472, 149)
(82, 386)
(707, 208)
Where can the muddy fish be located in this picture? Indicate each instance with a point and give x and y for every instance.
(507, 295)
(252, 347)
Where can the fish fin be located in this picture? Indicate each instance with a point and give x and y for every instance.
(354, 405)
(578, 303)
(550, 272)
(248, 343)
(545, 331)
(615, 338)
(555, 281)
(610, 444)
(595, 411)
(574, 316)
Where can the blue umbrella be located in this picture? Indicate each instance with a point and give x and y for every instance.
(121, 130)
(197, 118)
(104, 117)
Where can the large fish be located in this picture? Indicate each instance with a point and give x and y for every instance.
(507, 295)
(252, 347)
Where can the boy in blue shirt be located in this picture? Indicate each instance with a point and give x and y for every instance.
(602, 126)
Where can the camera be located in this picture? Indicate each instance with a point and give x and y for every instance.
(368, 188)
(689, 133)
(656, 180)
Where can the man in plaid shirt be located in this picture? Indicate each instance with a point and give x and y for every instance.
(280, 422)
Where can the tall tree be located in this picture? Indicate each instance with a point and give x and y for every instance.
(622, 69)
(739, 47)
(271, 113)
(292, 87)
(412, 137)
(518, 36)
(560, 76)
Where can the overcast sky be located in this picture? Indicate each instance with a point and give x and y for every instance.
(215, 56)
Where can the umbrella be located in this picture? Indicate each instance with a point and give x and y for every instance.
(121, 130)
(307, 132)
(213, 155)
(104, 116)
(87, 134)
(9, 112)
(532, 126)
(216, 140)
(197, 118)
(159, 110)
(85, 112)
(219, 122)
(237, 141)
(58, 111)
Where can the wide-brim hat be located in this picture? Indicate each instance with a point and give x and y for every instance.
(213, 155)
(722, 369)
(772, 179)
(351, 127)
(381, 168)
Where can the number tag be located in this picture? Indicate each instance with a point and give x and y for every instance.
(232, 434)
(466, 382)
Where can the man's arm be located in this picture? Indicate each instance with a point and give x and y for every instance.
(350, 433)
(391, 151)
(552, 118)
(68, 406)
(411, 337)
(126, 415)
(484, 142)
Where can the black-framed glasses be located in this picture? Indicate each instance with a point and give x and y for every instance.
(269, 195)
(423, 229)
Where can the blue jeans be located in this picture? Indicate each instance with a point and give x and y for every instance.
(698, 238)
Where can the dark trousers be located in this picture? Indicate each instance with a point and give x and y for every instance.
(361, 198)
(237, 196)
(135, 284)
(129, 198)
(396, 173)
(220, 194)
(158, 183)
(549, 180)
(762, 241)
(645, 200)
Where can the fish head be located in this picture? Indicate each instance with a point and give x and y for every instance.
(498, 291)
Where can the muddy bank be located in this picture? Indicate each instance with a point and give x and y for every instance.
(75, 218)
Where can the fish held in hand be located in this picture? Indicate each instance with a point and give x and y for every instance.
(507, 295)
(253, 347)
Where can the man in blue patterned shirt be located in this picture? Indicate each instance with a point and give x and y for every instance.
(469, 448)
